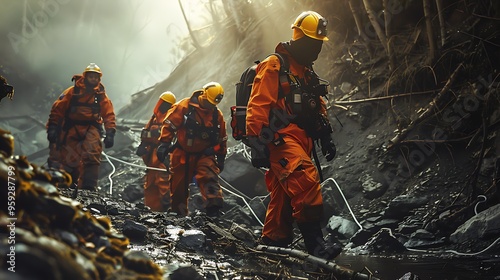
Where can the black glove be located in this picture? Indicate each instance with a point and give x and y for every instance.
(220, 162)
(328, 148)
(162, 153)
(109, 140)
(52, 133)
(141, 150)
(259, 153)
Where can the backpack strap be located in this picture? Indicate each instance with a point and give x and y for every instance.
(95, 106)
(284, 75)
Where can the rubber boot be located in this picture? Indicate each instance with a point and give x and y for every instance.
(74, 173)
(165, 202)
(89, 176)
(264, 240)
(314, 242)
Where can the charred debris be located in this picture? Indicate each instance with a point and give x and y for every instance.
(415, 86)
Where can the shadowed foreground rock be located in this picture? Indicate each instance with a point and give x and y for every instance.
(47, 236)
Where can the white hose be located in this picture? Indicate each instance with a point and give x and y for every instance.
(477, 204)
(110, 174)
(160, 169)
(136, 165)
(242, 198)
(345, 200)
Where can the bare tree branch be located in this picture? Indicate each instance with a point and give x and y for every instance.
(430, 32)
(195, 41)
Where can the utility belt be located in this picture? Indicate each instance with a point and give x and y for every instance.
(204, 133)
(212, 150)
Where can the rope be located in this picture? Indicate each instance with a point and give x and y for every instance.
(136, 165)
(246, 203)
(110, 174)
(160, 169)
(477, 204)
(345, 200)
(329, 179)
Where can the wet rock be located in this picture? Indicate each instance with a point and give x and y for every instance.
(96, 208)
(183, 273)
(389, 223)
(345, 228)
(240, 173)
(384, 241)
(424, 243)
(259, 206)
(401, 205)
(423, 239)
(134, 230)
(192, 239)
(133, 193)
(408, 228)
(242, 234)
(422, 234)
(362, 236)
(409, 276)
(141, 263)
(240, 215)
(333, 201)
(50, 258)
(68, 237)
(484, 224)
(371, 188)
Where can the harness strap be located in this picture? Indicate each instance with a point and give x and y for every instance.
(318, 165)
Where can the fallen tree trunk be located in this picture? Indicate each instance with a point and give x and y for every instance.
(339, 271)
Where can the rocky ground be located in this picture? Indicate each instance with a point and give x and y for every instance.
(415, 177)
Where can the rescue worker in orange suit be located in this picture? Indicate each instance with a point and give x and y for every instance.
(156, 187)
(282, 134)
(199, 151)
(75, 128)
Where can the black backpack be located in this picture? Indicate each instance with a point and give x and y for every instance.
(243, 91)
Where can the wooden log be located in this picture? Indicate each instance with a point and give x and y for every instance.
(339, 271)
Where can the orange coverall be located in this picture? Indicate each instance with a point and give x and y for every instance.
(189, 156)
(292, 180)
(80, 117)
(156, 187)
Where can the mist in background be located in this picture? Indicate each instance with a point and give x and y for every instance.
(44, 42)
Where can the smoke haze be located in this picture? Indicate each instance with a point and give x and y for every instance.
(135, 42)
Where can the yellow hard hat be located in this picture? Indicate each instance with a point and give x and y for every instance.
(168, 97)
(93, 68)
(312, 24)
(214, 92)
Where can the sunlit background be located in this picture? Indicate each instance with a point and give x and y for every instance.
(136, 43)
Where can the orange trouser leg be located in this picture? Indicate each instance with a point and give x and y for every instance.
(278, 225)
(70, 155)
(206, 174)
(54, 160)
(81, 153)
(156, 187)
(179, 183)
(294, 183)
(91, 158)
